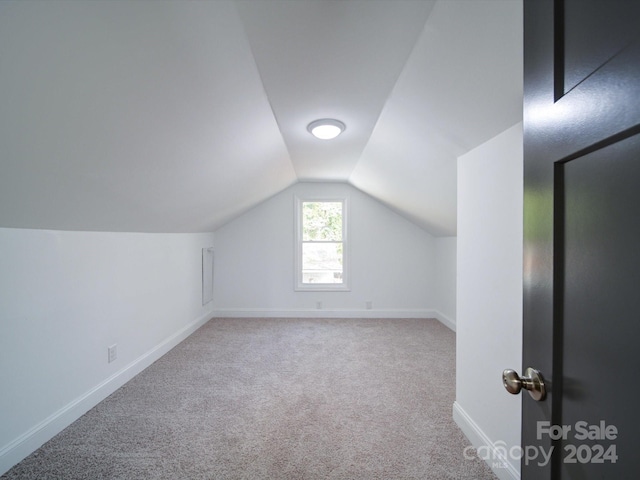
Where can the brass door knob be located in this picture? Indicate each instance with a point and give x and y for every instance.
(531, 381)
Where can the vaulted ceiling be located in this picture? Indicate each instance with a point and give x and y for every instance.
(177, 116)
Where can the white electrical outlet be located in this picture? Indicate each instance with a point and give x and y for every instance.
(368, 304)
(113, 352)
(319, 305)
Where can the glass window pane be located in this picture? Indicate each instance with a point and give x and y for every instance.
(322, 262)
(321, 221)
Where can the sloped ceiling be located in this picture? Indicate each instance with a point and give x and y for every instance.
(177, 116)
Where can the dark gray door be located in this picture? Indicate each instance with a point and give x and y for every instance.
(582, 238)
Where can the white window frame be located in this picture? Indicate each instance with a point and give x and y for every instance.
(321, 287)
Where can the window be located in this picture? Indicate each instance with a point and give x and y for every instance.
(321, 256)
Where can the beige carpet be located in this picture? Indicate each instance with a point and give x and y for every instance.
(277, 399)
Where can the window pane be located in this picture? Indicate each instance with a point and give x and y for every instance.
(322, 221)
(322, 262)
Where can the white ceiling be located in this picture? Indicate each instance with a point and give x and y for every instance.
(177, 116)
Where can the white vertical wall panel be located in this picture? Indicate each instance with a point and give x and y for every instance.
(489, 304)
(207, 275)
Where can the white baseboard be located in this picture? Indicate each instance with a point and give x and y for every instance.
(34, 438)
(446, 321)
(495, 458)
(323, 313)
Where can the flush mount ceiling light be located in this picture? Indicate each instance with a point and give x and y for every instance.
(326, 128)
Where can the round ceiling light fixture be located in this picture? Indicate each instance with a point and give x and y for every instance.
(326, 128)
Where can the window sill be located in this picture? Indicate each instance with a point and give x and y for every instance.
(322, 287)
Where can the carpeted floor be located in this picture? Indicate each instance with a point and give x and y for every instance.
(277, 399)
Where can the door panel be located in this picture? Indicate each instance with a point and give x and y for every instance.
(594, 33)
(581, 220)
(601, 306)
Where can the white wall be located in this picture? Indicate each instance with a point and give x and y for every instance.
(489, 305)
(64, 298)
(392, 261)
(446, 278)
